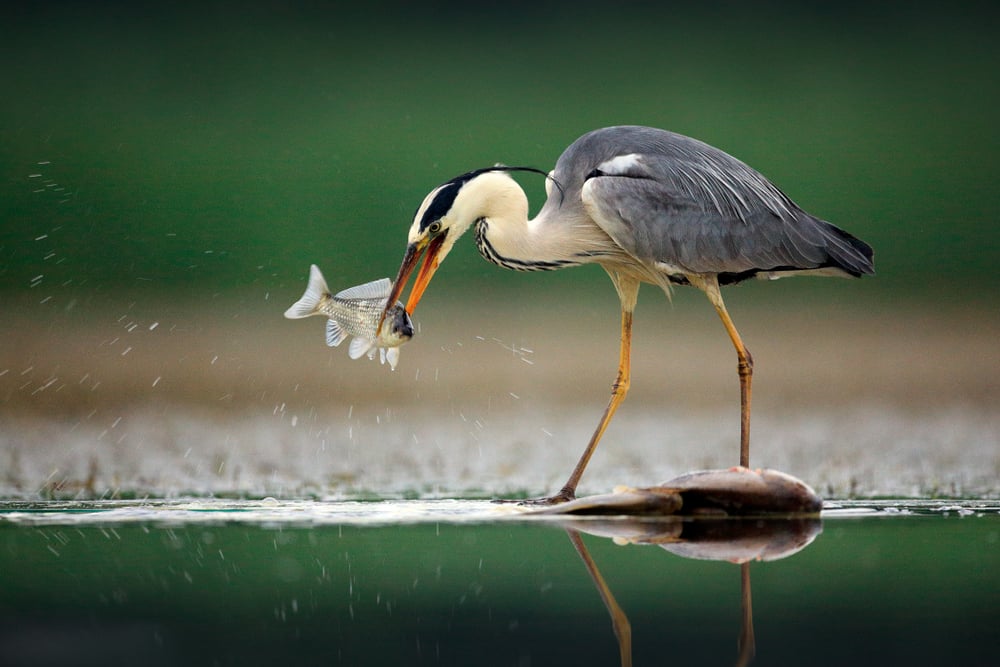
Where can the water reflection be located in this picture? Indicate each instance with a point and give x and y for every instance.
(738, 541)
(231, 582)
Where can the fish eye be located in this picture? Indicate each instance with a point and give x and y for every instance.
(434, 227)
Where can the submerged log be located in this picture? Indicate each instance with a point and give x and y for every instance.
(735, 492)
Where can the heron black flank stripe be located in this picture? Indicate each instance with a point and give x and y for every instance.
(649, 206)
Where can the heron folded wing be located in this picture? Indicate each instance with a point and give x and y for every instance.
(660, 220)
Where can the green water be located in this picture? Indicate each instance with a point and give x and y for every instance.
(870, 590)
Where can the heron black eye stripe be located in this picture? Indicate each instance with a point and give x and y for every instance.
(444, 199)
(441, 204)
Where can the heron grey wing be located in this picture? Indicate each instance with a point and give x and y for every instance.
(697, 229)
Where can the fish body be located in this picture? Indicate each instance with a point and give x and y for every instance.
(355, 312)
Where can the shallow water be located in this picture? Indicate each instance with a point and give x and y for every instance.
(470, 582)
(127, 450)
(173, 402)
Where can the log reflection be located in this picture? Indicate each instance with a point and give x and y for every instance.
(738, 541)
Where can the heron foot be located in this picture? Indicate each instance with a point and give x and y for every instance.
(563, 496)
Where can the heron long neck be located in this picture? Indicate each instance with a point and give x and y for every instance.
(506, 237)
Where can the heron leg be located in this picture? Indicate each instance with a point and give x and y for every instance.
(744, 366)
(628, 292)
(619, 621)
(618, 391)
(747, 645)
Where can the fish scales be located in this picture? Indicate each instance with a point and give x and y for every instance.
(357, 317)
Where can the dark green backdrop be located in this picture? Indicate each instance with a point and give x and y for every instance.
(185, 149)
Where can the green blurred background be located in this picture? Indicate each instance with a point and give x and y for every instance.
(184, 150)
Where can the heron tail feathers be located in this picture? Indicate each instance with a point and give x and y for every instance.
(848, 252)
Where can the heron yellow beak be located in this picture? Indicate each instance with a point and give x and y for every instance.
(414, 251)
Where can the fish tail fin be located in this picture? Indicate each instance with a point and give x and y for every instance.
(360, 347)
(335, 334)
(316, 292)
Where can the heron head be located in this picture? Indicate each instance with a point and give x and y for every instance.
(432, 235)
(448, 212)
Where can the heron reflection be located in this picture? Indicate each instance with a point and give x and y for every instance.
(736, 515)
(737, 541)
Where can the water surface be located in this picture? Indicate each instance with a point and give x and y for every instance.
(460, 582)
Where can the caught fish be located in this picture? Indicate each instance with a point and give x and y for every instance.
(355, 312)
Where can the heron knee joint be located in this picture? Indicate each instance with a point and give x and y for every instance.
(620, 386)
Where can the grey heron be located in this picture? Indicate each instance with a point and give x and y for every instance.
(649, 206)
